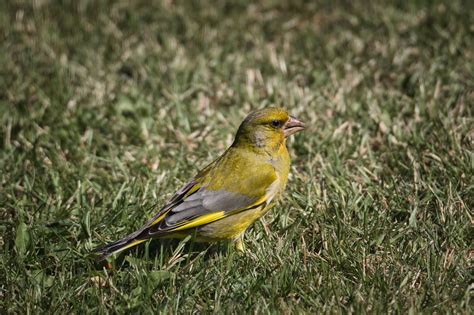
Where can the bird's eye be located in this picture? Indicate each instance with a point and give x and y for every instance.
(276, 123)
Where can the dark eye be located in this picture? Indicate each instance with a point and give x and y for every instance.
(276, 123)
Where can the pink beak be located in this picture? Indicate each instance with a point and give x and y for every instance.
(292, 126)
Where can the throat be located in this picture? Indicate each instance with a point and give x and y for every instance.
(275, 149)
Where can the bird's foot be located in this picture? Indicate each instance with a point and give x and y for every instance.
(239, 245)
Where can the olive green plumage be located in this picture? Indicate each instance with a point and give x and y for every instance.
(232, 192)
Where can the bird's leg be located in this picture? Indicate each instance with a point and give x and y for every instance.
(239, 242)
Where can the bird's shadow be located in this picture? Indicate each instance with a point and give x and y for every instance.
(165, 251)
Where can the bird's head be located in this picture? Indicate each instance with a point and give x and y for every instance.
(267, 128)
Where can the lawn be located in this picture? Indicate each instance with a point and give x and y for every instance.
(107, 107)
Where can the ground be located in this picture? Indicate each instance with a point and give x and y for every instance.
(106, 108)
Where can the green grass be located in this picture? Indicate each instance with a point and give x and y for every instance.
(106, 108)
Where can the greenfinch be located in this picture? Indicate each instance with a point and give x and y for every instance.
(229, 194)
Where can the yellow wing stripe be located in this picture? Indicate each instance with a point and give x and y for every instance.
(205, 219)
(211, 217)
(159, 218)
(191, 191)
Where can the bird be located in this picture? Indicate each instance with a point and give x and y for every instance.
(223, 199)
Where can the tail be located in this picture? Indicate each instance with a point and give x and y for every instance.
(136, 237)
(116, 247)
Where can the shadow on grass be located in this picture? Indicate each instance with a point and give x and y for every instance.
(165, 251)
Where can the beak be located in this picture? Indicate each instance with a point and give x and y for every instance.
(292, 126)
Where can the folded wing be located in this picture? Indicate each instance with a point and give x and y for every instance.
(195, 204)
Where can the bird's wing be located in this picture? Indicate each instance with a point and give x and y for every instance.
(196, 204)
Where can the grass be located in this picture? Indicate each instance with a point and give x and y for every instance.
(106, 108)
